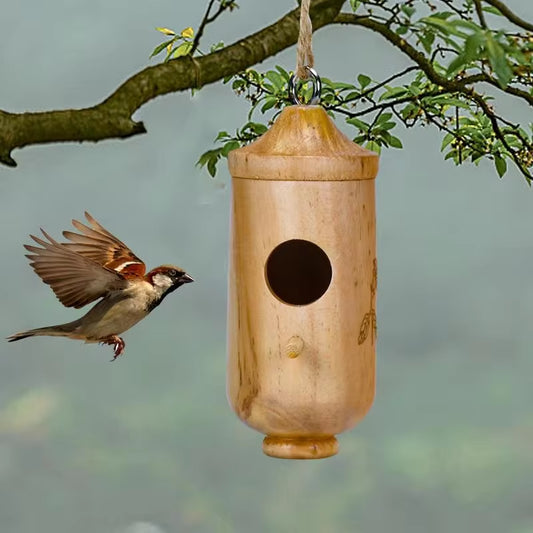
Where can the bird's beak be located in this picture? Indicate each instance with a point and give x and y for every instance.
(186, 278)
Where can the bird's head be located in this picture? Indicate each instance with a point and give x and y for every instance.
(167, 278)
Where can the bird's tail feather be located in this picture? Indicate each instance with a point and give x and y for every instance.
(61, 330)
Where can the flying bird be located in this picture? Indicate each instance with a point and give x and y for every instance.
(95, 265)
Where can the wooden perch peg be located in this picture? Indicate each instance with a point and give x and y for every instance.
(302, 287)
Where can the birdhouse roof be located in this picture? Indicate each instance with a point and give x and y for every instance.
(303, 144)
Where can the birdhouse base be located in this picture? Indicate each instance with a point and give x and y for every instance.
(300, 447)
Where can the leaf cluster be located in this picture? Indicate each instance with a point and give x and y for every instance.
(453, 50)
(180, 44)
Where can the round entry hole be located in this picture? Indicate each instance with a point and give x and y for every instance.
(298, 272)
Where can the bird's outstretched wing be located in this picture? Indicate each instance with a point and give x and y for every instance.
(75, 278)
(101, 246)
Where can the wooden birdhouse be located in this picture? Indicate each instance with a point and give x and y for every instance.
(302, 290)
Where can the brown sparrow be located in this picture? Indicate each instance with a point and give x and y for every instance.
(93, 265)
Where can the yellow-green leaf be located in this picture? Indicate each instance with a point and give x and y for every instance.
(166, 31)
(373, 146)
(182, 50)
(187, 33)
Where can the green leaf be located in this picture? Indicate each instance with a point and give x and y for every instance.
(222, 135)
(283, 72)
(384, 117)
(270, 102)
(217, 46)
(206, 156)
(472, 48)
(161, 47)
(355, 4)
(359, 124)
(447, 101)
(212, 166)
(427, 39)
(455, 66)
(466, 24)
(276, 79)
(229, 146)
(408, 10)
(410, 111)
(448, 138)
(492, 10)
(415, 89)
(182, 50)
(473, 45)
(387, 125)
(257, 127)
(238, 84)
(393, 92)
(443, 15)
(443, 26)
(354, 95)
(498, 61)
(501, 165)
(395, 142)
(373, 146)
(452, 154)
(364, 80)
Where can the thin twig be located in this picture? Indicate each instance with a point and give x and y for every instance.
(500, 135)
(385, 105)
(453, 85)
(463, 13)
(203, 24)
(365, 93)
(480, 14)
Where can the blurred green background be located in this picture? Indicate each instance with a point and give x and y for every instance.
(149, 444)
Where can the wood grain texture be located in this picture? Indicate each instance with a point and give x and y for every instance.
(305, 145)
(298, 373)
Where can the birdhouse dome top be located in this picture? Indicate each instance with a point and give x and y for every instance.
(303, 144)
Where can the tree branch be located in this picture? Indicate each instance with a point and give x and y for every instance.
(112, 117)
(425, 64)
(480, 14)
(205, 21)
(452, 85)
(509, 15)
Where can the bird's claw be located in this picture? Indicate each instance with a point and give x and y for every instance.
(117, 343)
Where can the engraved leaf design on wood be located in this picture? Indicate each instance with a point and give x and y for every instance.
(369, 322)
(365, 328)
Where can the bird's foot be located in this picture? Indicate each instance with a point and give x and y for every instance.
(117, 343)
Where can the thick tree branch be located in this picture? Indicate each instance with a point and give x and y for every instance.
(509, 15)
(112, 117)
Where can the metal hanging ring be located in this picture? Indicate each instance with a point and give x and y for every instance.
(317, 87)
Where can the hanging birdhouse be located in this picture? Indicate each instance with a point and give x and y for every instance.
(302, 290)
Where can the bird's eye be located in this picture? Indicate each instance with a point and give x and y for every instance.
(172, 272)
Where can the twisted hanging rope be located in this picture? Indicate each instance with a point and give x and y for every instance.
(304, 52)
